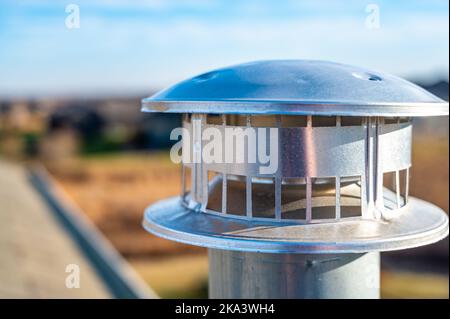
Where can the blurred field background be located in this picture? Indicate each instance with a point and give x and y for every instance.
(113, 161)
(70, 100)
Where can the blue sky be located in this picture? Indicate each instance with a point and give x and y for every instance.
(135, 47)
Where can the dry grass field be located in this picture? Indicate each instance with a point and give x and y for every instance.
(114, 191)
(413, 285)
(429, 173)
(178, 276)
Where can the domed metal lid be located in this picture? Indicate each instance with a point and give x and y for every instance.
(301, 87)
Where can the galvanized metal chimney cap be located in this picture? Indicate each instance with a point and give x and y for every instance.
(297, 87)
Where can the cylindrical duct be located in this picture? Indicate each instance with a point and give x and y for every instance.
(236, 274)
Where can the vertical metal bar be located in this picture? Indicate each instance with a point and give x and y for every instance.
(407, 186)
(277, 197)
(199, 173)
(224, 193)
(248, 196)
(372, 178)
(205, 189)
(308, 200)
(338, 197)
(203, 170)
(183, 182)
(224, 175)
(248, 181)
(363, 193)
(366, 180)
(308, 183)
(375, 153)
(369, 158)
(278, 181)
(397, 188)
(338, 121)
(377, 172)
(186, 152)
(195, 167)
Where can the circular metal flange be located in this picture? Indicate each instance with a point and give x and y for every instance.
(297, 87)
(416, 224)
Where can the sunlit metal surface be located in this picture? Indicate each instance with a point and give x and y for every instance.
(340, 191)
(419, 223)
(252, 275)
(300, 87)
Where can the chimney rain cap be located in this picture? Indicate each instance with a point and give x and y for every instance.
(297, 87)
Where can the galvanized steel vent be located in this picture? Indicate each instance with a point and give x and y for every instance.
(339, 173)
(341, 182)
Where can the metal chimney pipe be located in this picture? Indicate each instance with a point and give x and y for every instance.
(314, 226)
(236, 274)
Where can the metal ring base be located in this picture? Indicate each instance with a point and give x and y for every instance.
(418, 223)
